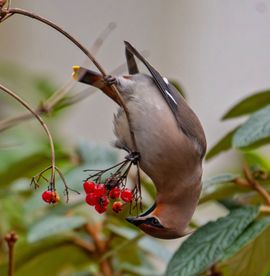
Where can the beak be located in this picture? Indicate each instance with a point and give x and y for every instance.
(134, 221)
(94, 79)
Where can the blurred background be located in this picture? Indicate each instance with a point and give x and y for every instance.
(217, 50)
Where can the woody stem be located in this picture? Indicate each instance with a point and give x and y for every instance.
(12, 11)
(42, 123)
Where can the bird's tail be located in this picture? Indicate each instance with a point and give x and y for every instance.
(94, 79)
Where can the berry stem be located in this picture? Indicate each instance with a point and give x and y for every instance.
(249, 181)
(67, 188)
(42, 123)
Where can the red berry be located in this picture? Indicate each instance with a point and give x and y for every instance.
(127, 195)
(115, 193)
(55, 197)
(100, 190)
(91, 199)
(89, 187)
(117, 206)
(103, 201)
(100, 209)
(47, 196)
(50, 197)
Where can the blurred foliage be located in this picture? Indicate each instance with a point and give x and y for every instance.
(53, 239)
(237, 243)
(210, 241)
(71, 239)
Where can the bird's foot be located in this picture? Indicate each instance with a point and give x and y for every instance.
(110, 80)
(133, 157)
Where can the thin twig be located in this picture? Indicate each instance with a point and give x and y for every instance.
(12, 121)
(42, 123)
(11, 238)
(49, 105)
(56, 97)
(59, 29)
(265, 209)
(89, 247)
(67, 188)
(256, 185)
(119, 99)
(84, 50)
(102, 37)
(121, 246)
(101, 247)
(53, 102)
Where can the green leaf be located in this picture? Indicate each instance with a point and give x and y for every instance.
(248, 105)
(43, 86)
(57, 261)
(139, 270)
(33, 86)
(209, 243)
(250, 234)
(253, 257)
(255, 131)
(224, 144)
(12, 214)
(53, 225)
(28, 166)
(257, 160)
(147, 244)
(25, 251)
(222, 191)
(210, 184)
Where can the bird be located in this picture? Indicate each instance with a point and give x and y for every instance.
(169, 138)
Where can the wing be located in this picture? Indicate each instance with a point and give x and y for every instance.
(131, 63)
(161, 83)
(186, 119)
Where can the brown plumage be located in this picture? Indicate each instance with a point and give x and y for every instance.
(170, 140)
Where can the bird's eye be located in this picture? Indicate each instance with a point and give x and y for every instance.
(155, 221)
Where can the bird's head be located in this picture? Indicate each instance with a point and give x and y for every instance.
(153, 223)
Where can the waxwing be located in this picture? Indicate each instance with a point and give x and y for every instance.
(169, 138)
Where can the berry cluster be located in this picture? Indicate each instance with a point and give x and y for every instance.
(50, 197)
(99, 195)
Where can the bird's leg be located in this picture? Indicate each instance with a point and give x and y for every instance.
(109, 80)
(133, 157)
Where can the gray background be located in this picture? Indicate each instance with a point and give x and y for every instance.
(218, 50)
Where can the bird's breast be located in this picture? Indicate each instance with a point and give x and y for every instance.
(165, 150)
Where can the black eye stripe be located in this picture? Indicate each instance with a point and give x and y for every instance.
(154, 222)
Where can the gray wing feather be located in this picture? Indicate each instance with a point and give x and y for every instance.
(186, 119)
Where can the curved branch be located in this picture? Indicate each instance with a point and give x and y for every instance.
(256, 185)
(42, 123)
(59, 29)
(12, 11)
(59, 94)
(6, 13)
